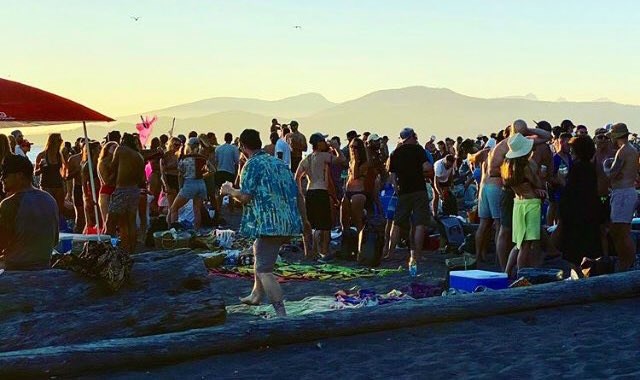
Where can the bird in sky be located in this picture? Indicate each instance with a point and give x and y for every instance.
(135, 18)
(297, 27)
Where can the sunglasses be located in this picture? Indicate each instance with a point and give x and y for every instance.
(602, 137)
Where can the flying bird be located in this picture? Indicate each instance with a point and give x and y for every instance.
(297, 27)
(135, 18)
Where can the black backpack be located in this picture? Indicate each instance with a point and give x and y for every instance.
(349, 246)
(372, 242)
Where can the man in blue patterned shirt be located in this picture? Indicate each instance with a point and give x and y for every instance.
(271, 214)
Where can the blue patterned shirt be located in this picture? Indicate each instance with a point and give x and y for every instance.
(273, 209)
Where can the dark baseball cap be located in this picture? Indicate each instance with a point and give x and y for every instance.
(317, 137)
(352, 135)
(544, 125)
(14, 163)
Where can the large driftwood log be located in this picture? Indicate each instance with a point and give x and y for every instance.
(167, 292)
(167, 348)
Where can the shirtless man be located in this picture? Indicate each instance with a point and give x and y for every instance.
(623, 172)
(488, 203)
(73, 173)
(318, 204)
(298, 143)
(496, 158)
(128, 165)
(604, 151)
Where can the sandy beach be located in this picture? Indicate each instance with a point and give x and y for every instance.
(592, 341)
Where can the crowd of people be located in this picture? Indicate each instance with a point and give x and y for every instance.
(518, 181)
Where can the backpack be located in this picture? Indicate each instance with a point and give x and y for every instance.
(451, 232)
(372, 242)
(156, 224)
(449, 203)
(349, 246)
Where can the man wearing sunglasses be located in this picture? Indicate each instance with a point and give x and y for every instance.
(28, 219)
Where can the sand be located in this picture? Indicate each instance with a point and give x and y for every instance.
(600, 340)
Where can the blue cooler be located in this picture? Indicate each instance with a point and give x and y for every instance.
(469, 280)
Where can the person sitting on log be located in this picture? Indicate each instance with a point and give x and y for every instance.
(271, 214)
(28, 219)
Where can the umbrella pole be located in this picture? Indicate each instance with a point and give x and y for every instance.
(92, 180)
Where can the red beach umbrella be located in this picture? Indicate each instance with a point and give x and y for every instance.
(22, 105)
(25, 106)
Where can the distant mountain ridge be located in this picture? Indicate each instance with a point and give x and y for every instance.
(431, 111)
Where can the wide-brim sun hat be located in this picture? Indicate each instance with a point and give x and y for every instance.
(519, 146)
(618, 130)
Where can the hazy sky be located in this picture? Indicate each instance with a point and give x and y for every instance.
(179, 51)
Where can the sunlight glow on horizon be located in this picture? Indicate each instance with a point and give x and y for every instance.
(180, 52)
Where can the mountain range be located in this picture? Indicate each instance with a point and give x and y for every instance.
(430, 111)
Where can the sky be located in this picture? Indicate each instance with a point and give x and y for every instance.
(93, 52)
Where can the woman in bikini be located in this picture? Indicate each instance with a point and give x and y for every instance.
(50, 166)
(169, 169)
(356, 197)
(107, 177)
(519, 173)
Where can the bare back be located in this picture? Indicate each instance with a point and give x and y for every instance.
(626, 177)
(315, 168)
(73, 168)
(129, 167)
(491, 171)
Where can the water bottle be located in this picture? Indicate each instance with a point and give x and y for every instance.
(413, 268)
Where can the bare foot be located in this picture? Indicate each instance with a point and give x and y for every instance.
(250, 300)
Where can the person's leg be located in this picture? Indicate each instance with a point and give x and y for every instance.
(174, 210)
(257, 292)
(325, 238)
(436, 202)
(482, 236)
(418, 239)
(131, 221)
(267, 253)
(345, 213)
(524, 257)
(357, 214)
(551, 213)
(624, 244)
(511, 267)
(387, 239)
(503, 246)
(142, 214)
(197, 213)
(79, 209)
(103, 205)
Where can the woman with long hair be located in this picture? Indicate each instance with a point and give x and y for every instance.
(50, 166)
(192, 167)
(520, 174)
(5, 150)
(107, 177)
(169, 169)
(89, 210)
(356, 197)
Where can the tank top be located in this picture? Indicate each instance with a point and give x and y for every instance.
(50, 177)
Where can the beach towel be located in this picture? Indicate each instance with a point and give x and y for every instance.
(320, 272)
(526, 220)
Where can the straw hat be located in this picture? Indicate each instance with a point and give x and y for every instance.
(519, 146)
(618, 131)
(204, 140)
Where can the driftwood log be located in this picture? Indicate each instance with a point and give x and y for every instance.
(167, 292)
(151, 351)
